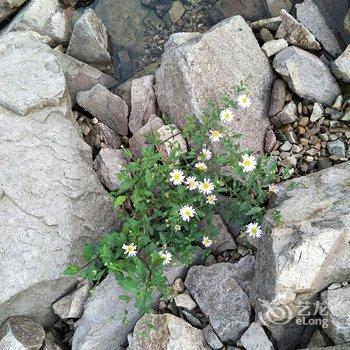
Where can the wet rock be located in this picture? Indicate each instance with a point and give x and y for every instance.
(275, 6)
(8, 7)
(288, 115)
(336, 148)
(309, 14)
(255, 338)
(21, 333)
(176, 11)
(211, 338)
(106, 107)
(278, 97)
(305, 73)
(90, 43)
(143, 102)
(317, 112)
(185, 301)
(167, 332)
(108, 164)
(196, 71)
(268, 23)
(341, 66)
(229, 315)
(270, 141)
(274, 46)
(296, 33)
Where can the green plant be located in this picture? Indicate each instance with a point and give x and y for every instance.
(168, 196)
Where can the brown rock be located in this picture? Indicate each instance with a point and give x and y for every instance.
(270, 141)
(278, 97)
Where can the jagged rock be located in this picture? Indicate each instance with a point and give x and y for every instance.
(50, 343)
(309, 251)
(223, 240)
(71, 305)
(243, 272)
(274, 46)
(106, 107)
(305, 73)
(107, 136)
(185, 301)
(221, 299)
(319, 339)
(296, 33)
(341, 66)
(167, 332)
(8, 7)
(81, 77)
(265, 35)
(268, 23)
(108, 164)
(143, 102)
(197, 71)
(278, 97)
(21, 333)
(255, 338)
(338, 314)
(336, 148)
(90, 43)
(211, 338)
(309, 14)
(288, 115)
(275, 6)
(47, 17)
(317, 112)
(48, 209)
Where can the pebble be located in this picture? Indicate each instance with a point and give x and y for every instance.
(336, 148)
(317, 112)
(301, 130)
(284, 155)
(185, 301)
(311, 152)
(291, 136)
(338, 103)
(270, 141)
(287, 146)
(278, 96)
(303, 121)
(324, 137)
(296, 148)
(309, 159)
(272, 47)
(179, 285)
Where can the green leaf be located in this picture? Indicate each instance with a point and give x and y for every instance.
(125, 298)
(72, 270)
(119, 201)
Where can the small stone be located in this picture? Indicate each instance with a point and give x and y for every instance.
(211, 338)
(109, 138)
(286, 116)
(272, 47)
(303, 121)
(309, 159)
(192, 319)
(50, 343)
(270, 141)
(311, 152)
(338, 102)
(255, 338)
(333, 114)
(278, 97)
(300, 108)
(269, 23)
(346, 117)
(291, 136)
(296, 149)
(266, 35)
(301, 130)
(336, 148)
(324, 137)
(179, 286)
(317, 112)
(341, 66)
(176, 11)
(334, 158)
(287, 146)
(185, 301)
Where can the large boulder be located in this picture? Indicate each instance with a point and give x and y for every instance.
(51, 202)
(310, 251)
(204, 67)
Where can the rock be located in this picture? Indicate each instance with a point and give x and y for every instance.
(108, 164)
(270, 141)
(288, 115)
(268, 23)
(50, 343)
(211, 338)
(185, 301)
(296, 33)
(275, 6)
(46, 17)
(107, 136)
(167, 332)
(310, 15)
(347, 21)
(338, 103)
(197, 71)
(139, 140)
(341, 66)
(337, 347)
(90, 43)
(223, 238)
(336, 148)
(255, 338)
(266, 35)
(106, 107)
(8, 7)
(220, 298)
(143, 102)
(179, 286)
(305, 73)
(278, 97)
(337, 316)
(274, 46)
(309, 251)
(243, 272)
(81, 77)
(319, 339)
(176, 11)
(317, 112)
(47, 211)
(21, 333)
(71, 305)
(286, 146)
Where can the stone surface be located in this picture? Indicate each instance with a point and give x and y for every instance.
(108, 164)
(167, 332)
(220, 298)
(341, 66)
(338, 314)
(317, 112)
(211, 338)
(337, 347)
(50, 343)
(21, 333)
(288, 115)
(319, 339)
(275, 6)
(143, 102)
(108, 137)
(255, 338)
(46, 209)
(309, 14)
(336, 148)
(305, 73)
(223, 240)
(106, 107)
(8, 7)
(176, 11)
(196, 71)
(46, 17)
(268, 23)
(185, 301)
(274, 46)
(310, 250)
(270, 141)
(278, 97)
(90, 43)
(296, 33)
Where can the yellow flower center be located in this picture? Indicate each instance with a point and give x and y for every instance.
(188, 212)
(130, 249)
(245, 99)
(247, 162)
(254, 230)
(177, 176)
(206, 186)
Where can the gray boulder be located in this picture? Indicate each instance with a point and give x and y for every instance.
(51, 201)
(221, 299)
(305, 73)
(90, 43)
(196, 71)
(255, 338)
(8, 7)
(341, 66)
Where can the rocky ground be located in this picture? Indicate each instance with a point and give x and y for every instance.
(68, 106)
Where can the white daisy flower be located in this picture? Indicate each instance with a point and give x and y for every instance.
(201, 166)
(206, 186)
(273, 188)
(248, 163)
(211, 199)
(166, 256)
(177, 177)
(191, 183)
(130, 249)
(215, 135)
(207, 242)
(254, 230)
(187, 212)
(226, 115)
(244, 101)
(206, 153)
(177, 228)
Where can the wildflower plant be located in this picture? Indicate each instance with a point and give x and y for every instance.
(166, 203)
